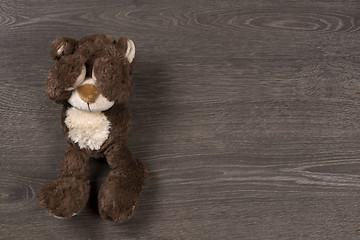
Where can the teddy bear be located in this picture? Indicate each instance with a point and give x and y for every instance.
(92, 79)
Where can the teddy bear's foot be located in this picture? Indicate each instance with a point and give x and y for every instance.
(64, 197)
(116, 203)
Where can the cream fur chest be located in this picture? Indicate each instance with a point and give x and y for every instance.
(88, 129)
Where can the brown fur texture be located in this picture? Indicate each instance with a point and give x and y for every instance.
(105, 60)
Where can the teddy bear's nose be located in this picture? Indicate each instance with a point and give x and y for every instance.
(88, 93)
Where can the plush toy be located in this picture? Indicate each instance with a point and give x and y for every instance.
(92, 78)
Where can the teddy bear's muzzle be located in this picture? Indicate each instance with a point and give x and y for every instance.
(88, 93)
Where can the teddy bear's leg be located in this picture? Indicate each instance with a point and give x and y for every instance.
(121, 190)
(67, 194)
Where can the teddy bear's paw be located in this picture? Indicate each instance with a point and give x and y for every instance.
(115, 203)
(64, 197)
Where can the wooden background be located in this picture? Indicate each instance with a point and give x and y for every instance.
(245, 112)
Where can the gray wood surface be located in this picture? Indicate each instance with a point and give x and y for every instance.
(245, 112)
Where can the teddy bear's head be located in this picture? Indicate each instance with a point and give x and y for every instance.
(94, 71)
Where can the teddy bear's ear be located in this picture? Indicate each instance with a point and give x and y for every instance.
(62, 46)
(128, 47)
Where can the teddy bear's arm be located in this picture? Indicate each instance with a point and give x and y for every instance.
(64, 76)
(55, 91)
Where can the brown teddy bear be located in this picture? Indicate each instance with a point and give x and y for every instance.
(92, 78)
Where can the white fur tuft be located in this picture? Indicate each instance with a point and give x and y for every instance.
(88, 129)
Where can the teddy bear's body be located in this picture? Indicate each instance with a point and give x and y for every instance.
(92, 79)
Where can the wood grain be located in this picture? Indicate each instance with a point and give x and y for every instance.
(245, 112)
